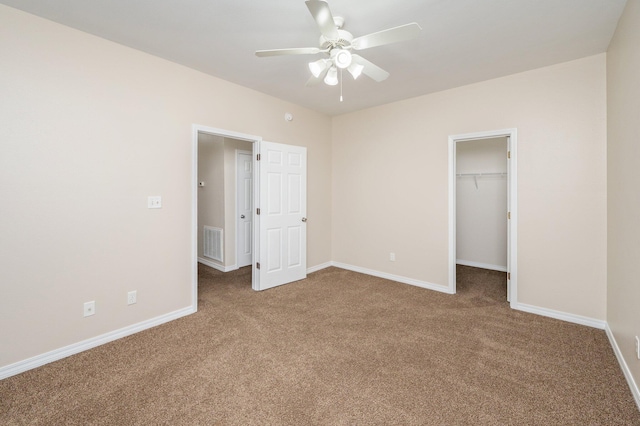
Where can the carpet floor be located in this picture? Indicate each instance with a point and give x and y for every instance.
(338, 348)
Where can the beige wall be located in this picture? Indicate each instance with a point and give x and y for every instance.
(623, 95)
(481, 218)
(390, 181)
(211, 200)
(230, 177)
(90, 129)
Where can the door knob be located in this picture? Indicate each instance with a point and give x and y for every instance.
(242, 216)
(304, 219)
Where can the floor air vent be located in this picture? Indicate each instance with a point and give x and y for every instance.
(213, 243)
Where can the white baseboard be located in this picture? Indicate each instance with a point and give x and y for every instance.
(319, 267)
(576, 319)
(404, 280)
(57, 354)
(564, 316)
(481, 265)
(217, 266)
(623, 365)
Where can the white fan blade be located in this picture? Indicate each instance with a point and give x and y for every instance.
(293, 51)
(370, 69)
(392, 35)
(322, 14)
(314, 81)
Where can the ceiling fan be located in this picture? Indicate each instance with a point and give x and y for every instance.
(338, 44)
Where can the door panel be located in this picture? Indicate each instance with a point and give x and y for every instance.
(274, 250)
(295, 242)
(283, 238)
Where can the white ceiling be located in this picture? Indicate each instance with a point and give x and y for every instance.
(462, 41)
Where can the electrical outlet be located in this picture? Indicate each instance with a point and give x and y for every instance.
(89, 308)
(154, 202)
(637, 347)
(132, 297)
(392, 257)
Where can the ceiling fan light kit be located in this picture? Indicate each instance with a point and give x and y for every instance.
(338, 44)
(318, 67)
(331, 79)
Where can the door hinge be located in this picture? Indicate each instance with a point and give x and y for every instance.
(258, 211)
(508, 215)
(258, 157)
(258, 265)
(508, 154)
(509, 276)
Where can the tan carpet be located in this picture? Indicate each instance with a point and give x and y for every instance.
(337, 348)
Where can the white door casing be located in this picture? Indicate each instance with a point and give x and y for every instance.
(244, 208)
(283, 208)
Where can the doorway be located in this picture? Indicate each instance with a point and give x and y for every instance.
(278, 235)
(219, 218)
(462, 179)
(216, 214)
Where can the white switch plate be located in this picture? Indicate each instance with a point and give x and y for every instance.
(132, 297)
(392, 257)
(89, 308)
(155, 202)
(637, 347)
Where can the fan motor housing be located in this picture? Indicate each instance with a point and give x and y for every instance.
(343, 42)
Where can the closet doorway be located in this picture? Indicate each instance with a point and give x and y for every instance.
(482, 207)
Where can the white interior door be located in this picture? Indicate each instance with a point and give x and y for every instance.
(508, 219)
(283, 209)
(244, 208)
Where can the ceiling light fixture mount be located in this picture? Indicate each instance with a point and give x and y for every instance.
(341, 57)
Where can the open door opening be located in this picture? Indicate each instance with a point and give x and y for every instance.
(214, 205)
(482, 205)
(225, 192)
(279, 183)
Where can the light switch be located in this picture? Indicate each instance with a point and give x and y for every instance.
(155, 202)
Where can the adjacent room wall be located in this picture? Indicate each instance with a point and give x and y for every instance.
(90, 128)
(211, 199)
(623, 155)
(390, 181)
(481, 211)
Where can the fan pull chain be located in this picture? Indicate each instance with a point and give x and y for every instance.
(341, 79)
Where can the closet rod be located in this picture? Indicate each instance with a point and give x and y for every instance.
(477, 175)
(481, 174)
